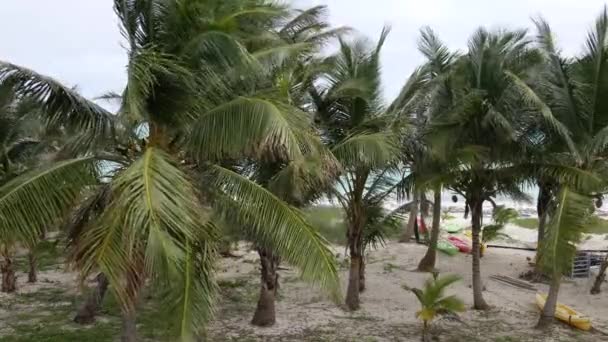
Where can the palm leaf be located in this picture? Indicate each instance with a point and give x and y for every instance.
(564, 231)
(274, 223)
(60, 105)
(39, 198)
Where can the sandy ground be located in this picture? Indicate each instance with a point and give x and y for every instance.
(388, 311)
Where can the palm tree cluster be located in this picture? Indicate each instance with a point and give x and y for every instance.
(234, 118)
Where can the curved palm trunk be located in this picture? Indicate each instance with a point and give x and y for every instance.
(411, 222)
(547, 316)
(129, 315)
(476, 213)
(92, 305)
(265, 314)
(596, 289)
(427, 264)
(362, 274)
(129, 328)
(32, 275)
(9, 280)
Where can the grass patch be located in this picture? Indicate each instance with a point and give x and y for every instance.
(596, 224)
(331, 224)
(329, 221)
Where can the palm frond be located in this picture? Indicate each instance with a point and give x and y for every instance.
(564, 231)
(373, 150)
(274, 223)
(59, 104)
(40, 198)
(155, 216)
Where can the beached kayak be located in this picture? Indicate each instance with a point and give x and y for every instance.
(462, 245)
(566, 314)
(447, 248)
(469, 234)
(452, 228)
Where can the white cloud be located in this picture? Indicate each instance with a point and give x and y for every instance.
(78, 41)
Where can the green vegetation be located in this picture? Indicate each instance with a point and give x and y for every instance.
(235, 117)
(595, 225)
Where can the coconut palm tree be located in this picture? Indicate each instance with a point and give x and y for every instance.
(572, 89)
(192, 102)
(418, 103)
(487, 131)
(356, 128)
(294, 46)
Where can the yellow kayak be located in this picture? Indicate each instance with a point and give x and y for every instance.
(566, 314)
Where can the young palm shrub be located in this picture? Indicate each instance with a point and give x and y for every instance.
(433, 302)
(354, 125)
(191, 101)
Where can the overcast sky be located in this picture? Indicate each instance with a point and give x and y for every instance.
(78, 41)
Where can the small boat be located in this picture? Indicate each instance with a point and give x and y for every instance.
(462, 245)
(452, 228)
(566, 314)
(447, 247)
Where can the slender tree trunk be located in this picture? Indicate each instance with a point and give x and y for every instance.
(409, 229)
(92, 305)
(9, 280)
(596, 289)
(362, 274)
(427, 264)
(129, 327)
(134, 284)
(542, 206)
(355, 231)
(476, 212)
(32, 275)
(466, 209)
(547, 316)
(424, 205)
(352, 291)
(265, 314)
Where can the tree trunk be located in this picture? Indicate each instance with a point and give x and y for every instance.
(542, 206)
(265, 315)
(424, 205)
(547, 316)
(466, 209)
(9, 280)
(476, 212)
(427, 264)
(596, 289)
(32, 276)
(352, 292)
(129, 327)
(92, 305)
(362, 274)
(409, 229)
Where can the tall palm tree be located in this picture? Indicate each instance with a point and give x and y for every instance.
(418, 102)
(301, 181)
(572, 89)
(487, 130)
(191, 97)
(356, 128)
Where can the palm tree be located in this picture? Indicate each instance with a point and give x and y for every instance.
(301, 181)
(418, 102)
(190, 103)
(487, 128)
(572, 89)
(433, 302)
(355, 126)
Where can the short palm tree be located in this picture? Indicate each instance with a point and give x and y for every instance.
(433, 302)
(356, 128)
(192, 103)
